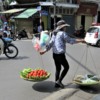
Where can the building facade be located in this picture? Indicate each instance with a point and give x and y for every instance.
(65, 9)
(74, 12)
(94, 10)
(86, 14)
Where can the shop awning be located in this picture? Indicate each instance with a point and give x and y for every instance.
(11, 11)
(59, 5)
(27, 13)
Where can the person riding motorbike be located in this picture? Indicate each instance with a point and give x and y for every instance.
(6, 47)
(1, 43)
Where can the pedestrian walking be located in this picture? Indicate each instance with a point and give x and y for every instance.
(82, 32)
(58, 45)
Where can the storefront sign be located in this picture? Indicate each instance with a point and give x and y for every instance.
(39, 8)
(90, 9)
(44, 12)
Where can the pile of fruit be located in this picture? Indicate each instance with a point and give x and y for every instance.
(34, 75)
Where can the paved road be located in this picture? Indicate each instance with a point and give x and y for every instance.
(81, 62)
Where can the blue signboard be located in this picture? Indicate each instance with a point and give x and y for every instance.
(44, 12)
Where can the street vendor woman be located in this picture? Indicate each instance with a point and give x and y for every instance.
(58, 45)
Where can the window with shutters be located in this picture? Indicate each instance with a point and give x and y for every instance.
(65, 1)
(61, 10)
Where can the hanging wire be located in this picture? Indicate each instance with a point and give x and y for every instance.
(80, 61)
(93, 62)
(87, 46)
(87, 50)
(41, 60)
(39, 56)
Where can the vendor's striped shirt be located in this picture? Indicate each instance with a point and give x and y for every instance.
(58, 42)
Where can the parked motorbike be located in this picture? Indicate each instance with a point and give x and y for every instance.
(22, 34)
(13, 36)
(8, 48)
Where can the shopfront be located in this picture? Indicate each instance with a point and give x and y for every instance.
(30, 19)
(86, 15)
(65, 13)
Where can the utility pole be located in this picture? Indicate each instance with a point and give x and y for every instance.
(54, 3)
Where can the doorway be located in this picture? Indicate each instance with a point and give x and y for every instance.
(98, 17)
(52, 21)
(83, 20)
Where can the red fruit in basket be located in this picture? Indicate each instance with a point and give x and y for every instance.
(29, 75)
(34, 74)
(41, 73)
(42, 70)
(37, 75)
(45, 73)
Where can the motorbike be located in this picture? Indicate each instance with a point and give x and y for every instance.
(8, 48)
(13, 36)
(22, 34)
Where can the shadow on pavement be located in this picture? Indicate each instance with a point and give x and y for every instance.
(21, 57)
(45, 86)
(17, 58)
(91, 89)
(71, 85)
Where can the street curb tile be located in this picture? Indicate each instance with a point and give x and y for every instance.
(96, 97)
(62, 94)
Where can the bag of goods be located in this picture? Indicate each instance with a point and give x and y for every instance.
(44, 38)
(39, 43)
(34, 75)
(36, 43)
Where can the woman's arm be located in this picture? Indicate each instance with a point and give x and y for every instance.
(80, 40)
(49, 46)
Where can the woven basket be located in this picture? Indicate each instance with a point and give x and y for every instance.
(36, 80)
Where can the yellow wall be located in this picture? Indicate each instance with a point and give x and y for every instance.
(45, 20)
(78, 22)
(27, 23)
(88, 21)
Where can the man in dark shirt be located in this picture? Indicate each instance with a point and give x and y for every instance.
(81, 32)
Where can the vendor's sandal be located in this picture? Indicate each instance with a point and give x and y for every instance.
(56, 85)
(60, 84)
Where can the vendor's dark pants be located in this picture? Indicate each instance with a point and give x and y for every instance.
(59, 60)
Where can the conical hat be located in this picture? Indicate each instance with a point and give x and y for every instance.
(61, 26)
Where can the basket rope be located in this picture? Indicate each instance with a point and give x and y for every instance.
(86, 51)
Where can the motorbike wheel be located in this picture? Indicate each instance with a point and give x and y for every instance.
(11, 51)
(19, 37)
(14, 38)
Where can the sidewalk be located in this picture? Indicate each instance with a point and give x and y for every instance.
(75, 92)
